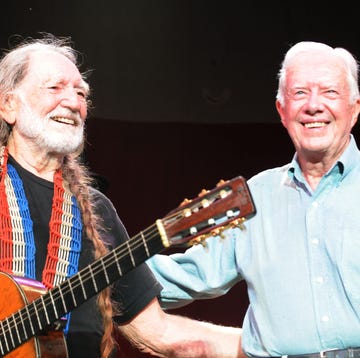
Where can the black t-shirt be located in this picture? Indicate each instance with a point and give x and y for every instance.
(133, 291)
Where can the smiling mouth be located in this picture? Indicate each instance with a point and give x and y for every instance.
(63, 120)
(315, 124)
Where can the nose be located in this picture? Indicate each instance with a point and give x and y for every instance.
(72, 99)
(314, 103)
(75, 101)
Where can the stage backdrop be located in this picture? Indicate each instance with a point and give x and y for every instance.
(147, 169)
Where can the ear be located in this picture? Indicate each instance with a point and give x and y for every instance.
(356, 112)
(280, 110)
(9, 107)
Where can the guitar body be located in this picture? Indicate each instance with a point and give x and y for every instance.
(16, 293)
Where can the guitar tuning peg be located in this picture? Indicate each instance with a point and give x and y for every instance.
(223, 193)
(203, 243)
(203, 192)
(218, 232)
(239, 223)
(199, 240)
(185, 202)
(205, 203)
(221, 182)
(186, 212)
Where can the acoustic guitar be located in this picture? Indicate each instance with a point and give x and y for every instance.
(31, 317)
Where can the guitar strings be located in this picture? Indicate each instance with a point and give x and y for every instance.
(37, 307)
(88, 273)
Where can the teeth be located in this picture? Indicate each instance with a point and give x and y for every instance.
(315, 124)
(63, 120)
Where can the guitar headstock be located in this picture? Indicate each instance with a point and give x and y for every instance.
(228, 204)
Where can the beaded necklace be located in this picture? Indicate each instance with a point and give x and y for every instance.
(17, 246)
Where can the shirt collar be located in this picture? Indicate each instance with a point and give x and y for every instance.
(343, 166)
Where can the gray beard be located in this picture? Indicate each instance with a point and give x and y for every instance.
(44, 134)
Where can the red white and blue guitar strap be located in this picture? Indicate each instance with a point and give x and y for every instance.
(17, 246)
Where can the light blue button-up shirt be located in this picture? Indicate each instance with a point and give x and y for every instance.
(300, 257)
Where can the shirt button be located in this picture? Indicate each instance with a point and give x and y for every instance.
(325, 318)
(319, 279)
(315, 242)
(315, 204)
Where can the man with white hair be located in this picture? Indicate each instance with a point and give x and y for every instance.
(300, 254)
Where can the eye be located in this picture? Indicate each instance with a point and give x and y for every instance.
(82, 94)
(53, 88)
(331, 91)
(299, 94)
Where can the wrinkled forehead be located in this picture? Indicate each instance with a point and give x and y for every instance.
(316, 66)
(308, 60)
(46, 66)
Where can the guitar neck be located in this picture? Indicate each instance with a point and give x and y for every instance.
(42, 312)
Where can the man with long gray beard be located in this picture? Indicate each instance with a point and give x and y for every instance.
(53, 223)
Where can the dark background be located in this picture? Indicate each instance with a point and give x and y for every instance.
(183, 94)
(183, 60)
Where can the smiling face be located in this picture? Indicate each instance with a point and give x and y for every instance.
(51, 107)
(317, 111)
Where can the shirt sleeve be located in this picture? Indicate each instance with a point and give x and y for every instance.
(200, 272)
(136, 288)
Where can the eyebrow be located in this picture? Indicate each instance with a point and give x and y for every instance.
(81, 84)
